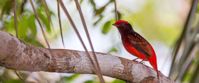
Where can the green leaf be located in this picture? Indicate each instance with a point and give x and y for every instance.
(106, 27)
(119, 15)
(90, 81)
(23, 27)
(93, 4)
(81, 1)
(32, 26)
(118, 81)
(69, 79)
(9, 24)
(33, 41)
(100, 10)
(98, 20)
(113, 49)
(72, 77)
(197, 9)
(13, 81)
(44, 19)
(5, 7)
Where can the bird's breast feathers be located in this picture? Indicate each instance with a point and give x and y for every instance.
(137, 45)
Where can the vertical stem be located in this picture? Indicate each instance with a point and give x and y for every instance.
(116, 13)
(78, 35)
(89, 39)
(60, 24)
(15, 17)
(37, 17)
(183, 35)
(46, 10)
(16, 29)
(43, 33)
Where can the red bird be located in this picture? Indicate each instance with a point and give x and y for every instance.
(136, 44)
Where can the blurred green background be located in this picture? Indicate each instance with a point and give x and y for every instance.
(161, 22)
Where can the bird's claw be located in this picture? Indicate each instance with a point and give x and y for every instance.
(135, 59)
(142, 62)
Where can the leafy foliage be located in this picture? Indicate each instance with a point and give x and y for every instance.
(118, 81)
(44, 19)
(13, 81)
(106, 27)
(5, 6)
(185, 62)
(113, 49)
(69, 79)
(90, 81)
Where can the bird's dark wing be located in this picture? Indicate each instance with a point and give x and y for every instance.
(140, 44)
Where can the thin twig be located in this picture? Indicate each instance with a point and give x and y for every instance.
(22, 6)
(37, 17)
(116, 13)
(195, 75)
(49, 48)
(60, 24)
(186, 65)
(89, 39)
(180, 40)
(46, 10)
(78, 34)
(187, 58)
(17, 73)
(15, 17)
(191, 36)
(16, 29)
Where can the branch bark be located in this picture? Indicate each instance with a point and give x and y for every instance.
(14, 54)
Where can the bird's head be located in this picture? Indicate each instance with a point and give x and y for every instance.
(120, 23)
(123, 26)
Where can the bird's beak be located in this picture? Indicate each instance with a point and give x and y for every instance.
(114, 24)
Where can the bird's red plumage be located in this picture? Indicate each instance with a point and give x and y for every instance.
(136, 44)
(121, 21)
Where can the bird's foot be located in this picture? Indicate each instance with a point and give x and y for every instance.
(135, 59)
(142, 62)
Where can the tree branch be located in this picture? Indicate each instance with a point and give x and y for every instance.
(14, 54)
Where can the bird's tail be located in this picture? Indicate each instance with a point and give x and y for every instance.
(153, 62)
